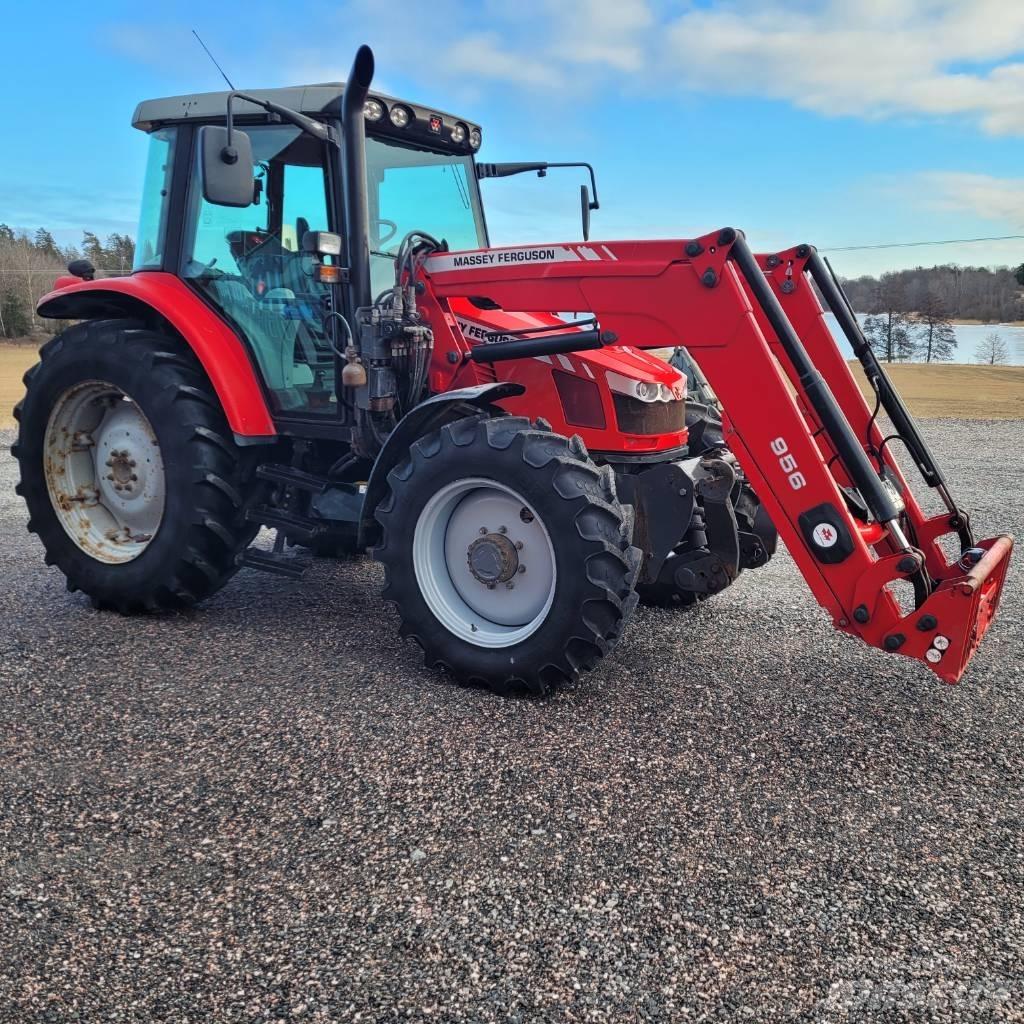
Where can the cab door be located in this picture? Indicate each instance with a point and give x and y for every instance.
(248, 262)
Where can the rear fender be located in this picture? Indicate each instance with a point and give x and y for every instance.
(427, 417)
(221, 352)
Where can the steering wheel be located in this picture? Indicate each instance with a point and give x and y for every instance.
(382, 240)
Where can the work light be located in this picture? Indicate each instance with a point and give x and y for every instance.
(400, 116)
(373, 110)
(459, 134)
(475, 138)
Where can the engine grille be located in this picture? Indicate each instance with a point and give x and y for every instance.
(636, 417)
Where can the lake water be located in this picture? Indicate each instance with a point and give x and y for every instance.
(967, 338)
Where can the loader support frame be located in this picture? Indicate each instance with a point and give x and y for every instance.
(793, 416)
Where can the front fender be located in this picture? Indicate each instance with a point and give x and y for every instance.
(427, 417)
(221, 352)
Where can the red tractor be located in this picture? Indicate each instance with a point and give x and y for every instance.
(318, 338)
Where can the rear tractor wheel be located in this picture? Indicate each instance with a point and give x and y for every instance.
(133, 482)
(507, 554)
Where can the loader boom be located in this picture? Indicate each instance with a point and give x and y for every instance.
(793, 413)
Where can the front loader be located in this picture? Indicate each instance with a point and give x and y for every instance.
(318, 338)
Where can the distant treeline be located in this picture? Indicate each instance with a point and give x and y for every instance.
(958, 293)
(29, 263)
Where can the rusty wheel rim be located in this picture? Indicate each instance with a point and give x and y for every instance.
(104, 472)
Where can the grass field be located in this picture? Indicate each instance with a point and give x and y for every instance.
(14, 361)
(963, 392)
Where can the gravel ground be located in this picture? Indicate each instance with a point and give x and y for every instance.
(268, 810)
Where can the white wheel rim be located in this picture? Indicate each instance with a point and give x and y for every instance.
(104, 472)
(473, 538)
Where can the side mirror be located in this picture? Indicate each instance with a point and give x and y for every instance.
(227, 170)
(585, 208)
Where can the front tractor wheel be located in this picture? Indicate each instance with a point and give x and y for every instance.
(507, 554)
(133, 482)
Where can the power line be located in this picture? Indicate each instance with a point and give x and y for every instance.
(910, 245)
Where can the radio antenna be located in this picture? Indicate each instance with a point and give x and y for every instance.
(214, 59)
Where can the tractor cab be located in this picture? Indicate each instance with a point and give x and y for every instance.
(249, 262)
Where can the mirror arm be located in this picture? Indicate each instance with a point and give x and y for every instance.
(507, 170)
(307, 124)
(594, 204)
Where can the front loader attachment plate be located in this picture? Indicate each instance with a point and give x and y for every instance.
(962, 608)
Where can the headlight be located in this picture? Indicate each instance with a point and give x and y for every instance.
(475, 138)
(373, 110)
(459, 134)
(400, 116)
(642, 390)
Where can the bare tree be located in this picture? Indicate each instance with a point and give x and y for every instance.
(992, 351)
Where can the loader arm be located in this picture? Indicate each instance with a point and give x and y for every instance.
(793, 413)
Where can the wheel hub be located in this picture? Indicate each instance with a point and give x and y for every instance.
(104, 472)
(484, 562)
(493, 559)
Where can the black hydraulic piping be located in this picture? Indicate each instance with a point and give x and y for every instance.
(845, 442)
(525, 348)
(353, 131)
(891, 401)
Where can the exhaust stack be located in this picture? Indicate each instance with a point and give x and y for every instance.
(353, 129)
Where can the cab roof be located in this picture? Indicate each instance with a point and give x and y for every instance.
(323, 100)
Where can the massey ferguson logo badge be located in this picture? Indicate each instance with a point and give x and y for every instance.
(502, 258)
(825, 535)
(475, 333)
(510, 257)
(487, 259)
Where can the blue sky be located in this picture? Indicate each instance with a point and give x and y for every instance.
(796, 120)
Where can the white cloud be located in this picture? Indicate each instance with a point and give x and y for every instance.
(999, 200)
(481, 56)
(870, 59)
(875, 59)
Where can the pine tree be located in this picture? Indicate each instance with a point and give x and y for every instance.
(889, 335)
(936, 338)
(92, 250)
(45, 243)
(12, 316)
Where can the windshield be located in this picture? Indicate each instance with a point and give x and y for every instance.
(416, 189)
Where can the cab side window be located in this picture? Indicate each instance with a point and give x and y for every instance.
(248, 261)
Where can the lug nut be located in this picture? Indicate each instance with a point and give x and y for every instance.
(519, 545)
(510, 585)
(482, 531)
(502, 529)
(522, 569)
(941, 642)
